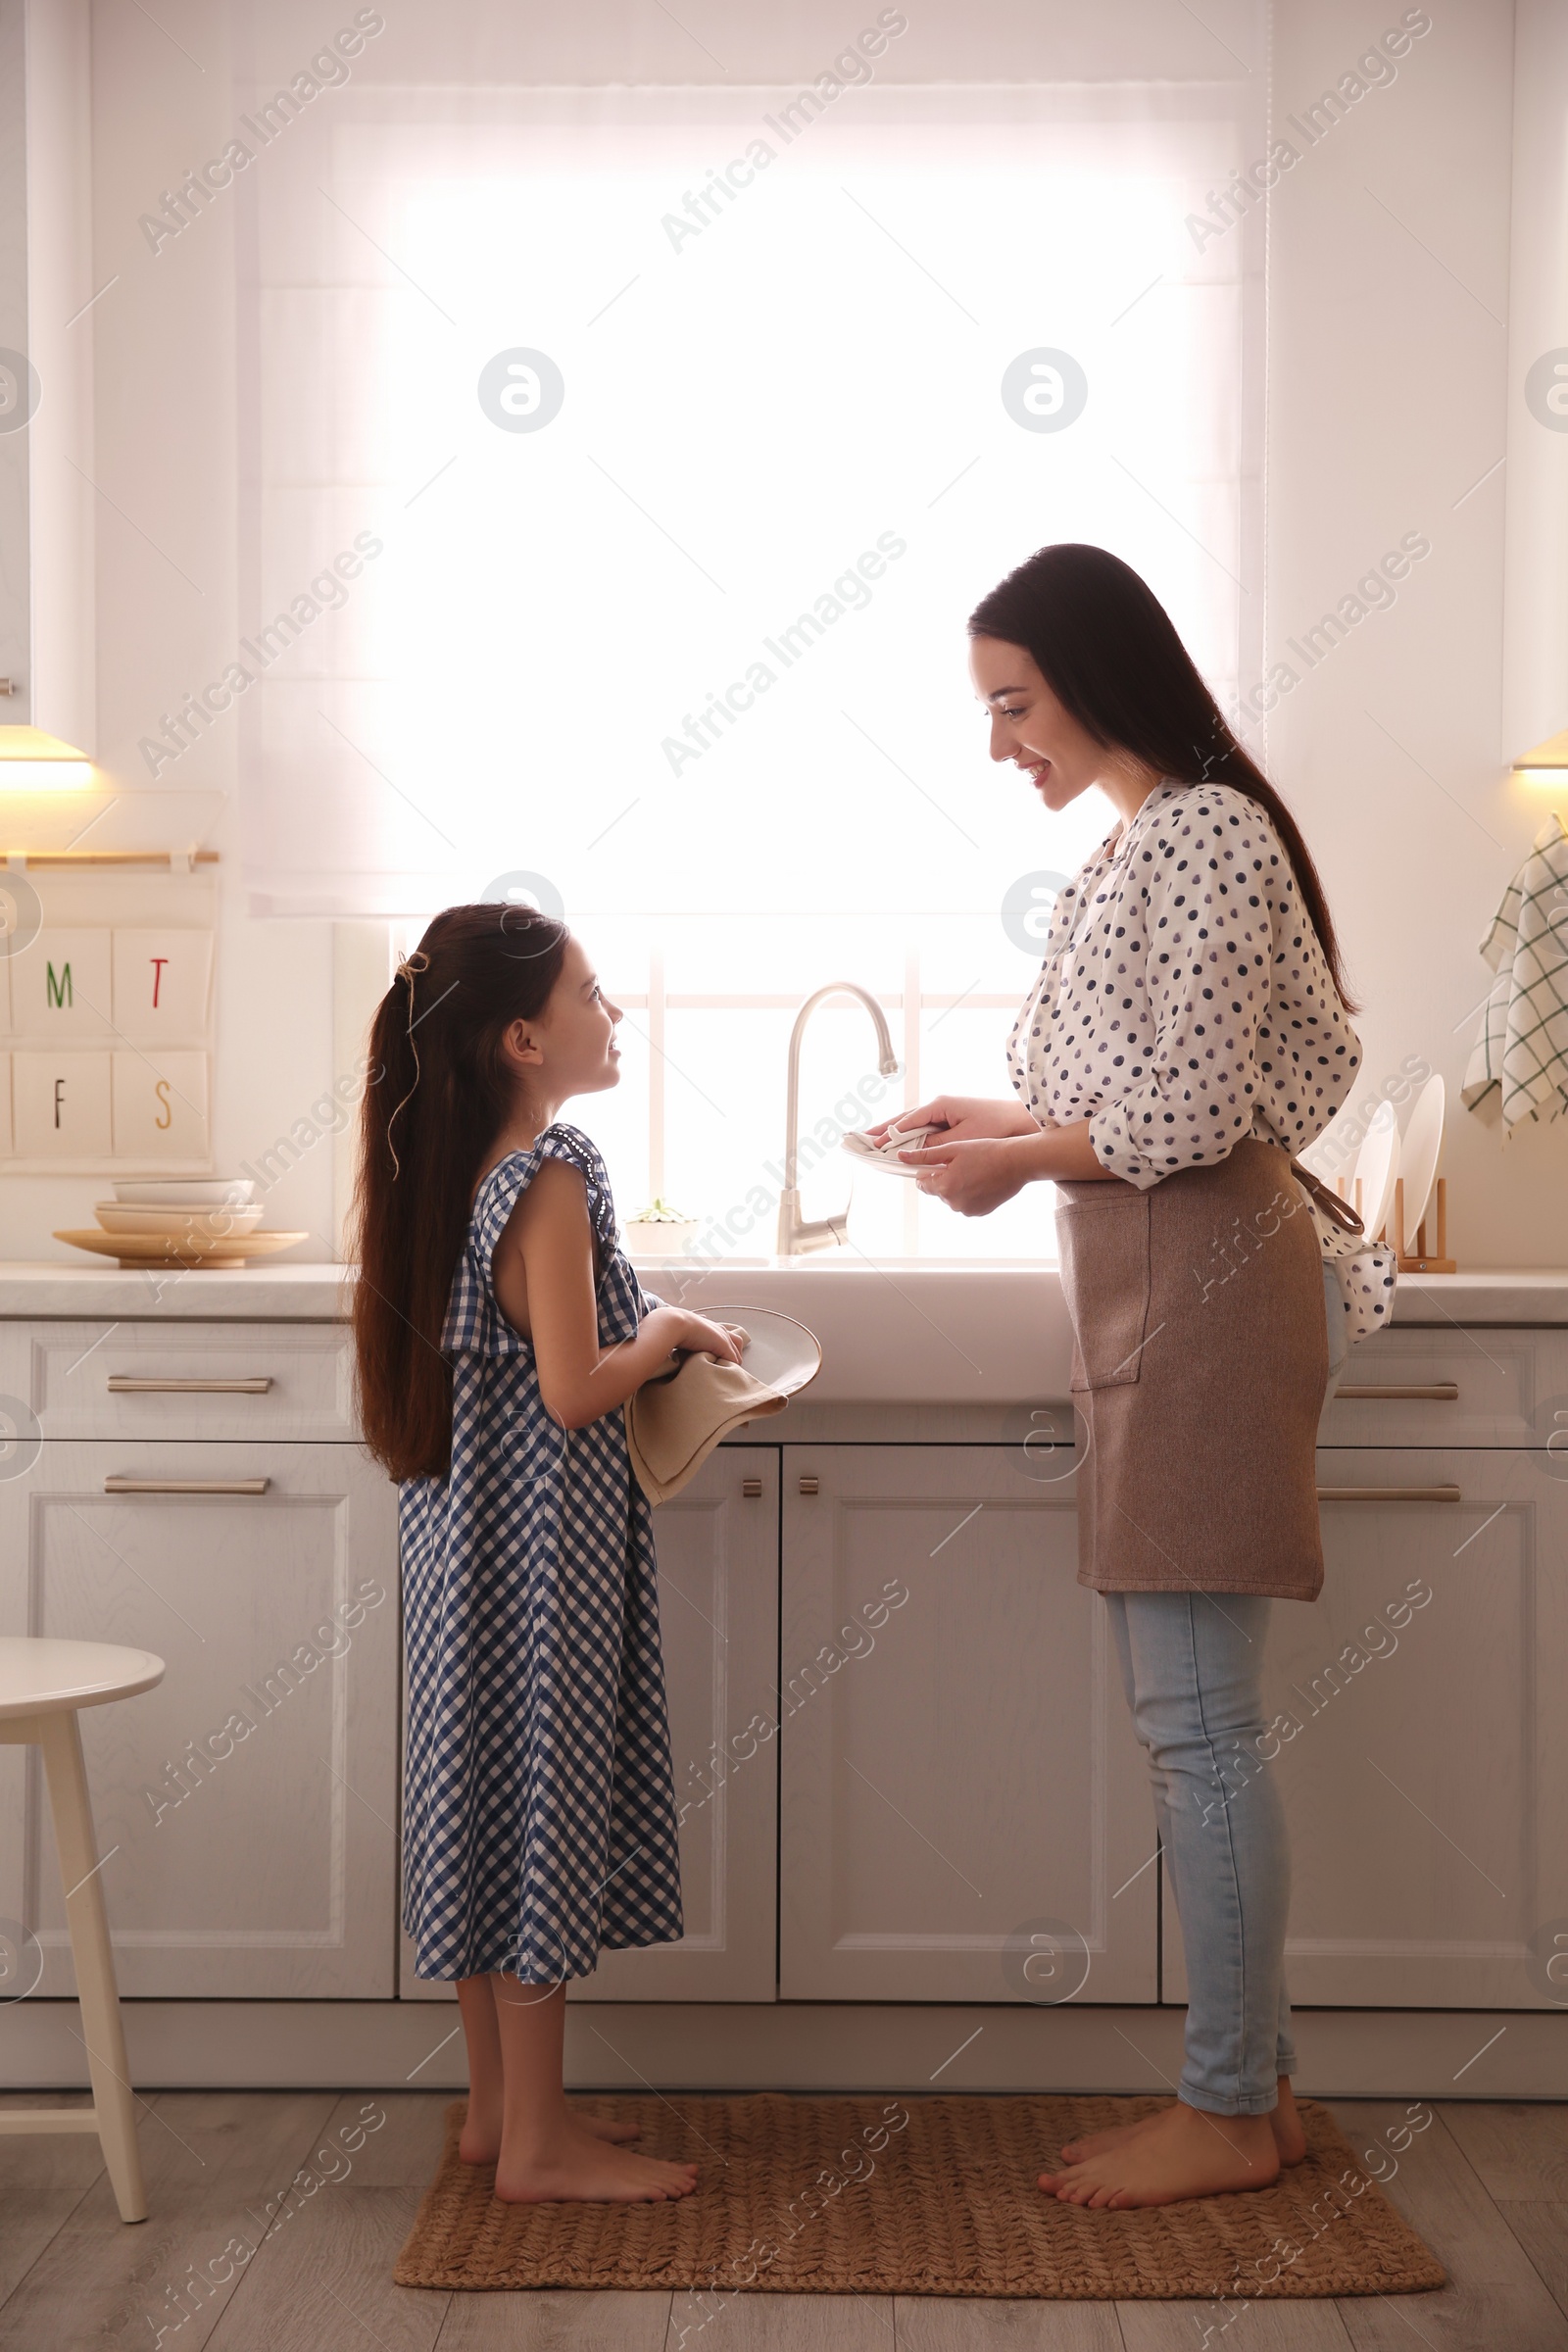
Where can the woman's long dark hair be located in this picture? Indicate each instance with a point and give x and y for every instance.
(436, 1098)
(1107, 648)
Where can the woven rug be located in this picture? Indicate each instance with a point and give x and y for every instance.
(920, 2197)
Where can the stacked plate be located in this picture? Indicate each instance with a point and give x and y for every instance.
(189, 1222)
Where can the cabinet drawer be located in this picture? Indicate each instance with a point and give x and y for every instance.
(1453, 1387)
(288, 1381)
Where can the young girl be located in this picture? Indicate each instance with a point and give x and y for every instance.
(499, 1331)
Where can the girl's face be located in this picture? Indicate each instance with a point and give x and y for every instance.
(1030, 727)
(570, 1048)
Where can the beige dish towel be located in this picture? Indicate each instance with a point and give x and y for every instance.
(674, 1423)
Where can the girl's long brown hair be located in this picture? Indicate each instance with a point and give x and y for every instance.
(1109, 651)
(436, 1098)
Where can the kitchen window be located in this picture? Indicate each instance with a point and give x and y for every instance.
(682, 468)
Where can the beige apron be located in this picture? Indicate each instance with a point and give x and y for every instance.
(1199, 1363)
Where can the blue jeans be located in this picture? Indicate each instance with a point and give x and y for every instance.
(1190, 1663)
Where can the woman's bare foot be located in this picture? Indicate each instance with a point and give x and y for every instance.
(573, 2167)
(1181, 2153)
(1094, 2144)
(480, 2142)
(1289, 2135)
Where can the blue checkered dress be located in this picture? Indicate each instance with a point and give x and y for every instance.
(539, 1811)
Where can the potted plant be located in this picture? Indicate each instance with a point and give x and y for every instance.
(659, 1230)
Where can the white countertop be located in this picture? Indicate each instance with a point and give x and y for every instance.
(900, 1329)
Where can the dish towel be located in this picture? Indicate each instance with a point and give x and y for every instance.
(674, 1423)
(1523, 1044)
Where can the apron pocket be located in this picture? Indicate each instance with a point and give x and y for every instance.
(1102, 1238)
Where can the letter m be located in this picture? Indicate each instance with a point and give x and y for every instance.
(59, 992)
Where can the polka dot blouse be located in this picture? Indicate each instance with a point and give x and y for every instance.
(1184, 1002)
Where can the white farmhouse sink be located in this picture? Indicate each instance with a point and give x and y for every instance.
(901, 1330)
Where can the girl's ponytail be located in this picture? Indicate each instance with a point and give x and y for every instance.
(436, 1098)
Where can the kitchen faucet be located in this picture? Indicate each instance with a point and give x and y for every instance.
(798, 1234)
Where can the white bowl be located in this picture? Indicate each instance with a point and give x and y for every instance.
(187, 1191)
(180, 1224)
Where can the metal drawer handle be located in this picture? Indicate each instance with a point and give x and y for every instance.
(752, 1489)
(1389, 1494)
(1437, 1391)
(130, 1384)
(116, 1484)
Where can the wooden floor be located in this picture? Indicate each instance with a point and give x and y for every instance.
(1486, 2186)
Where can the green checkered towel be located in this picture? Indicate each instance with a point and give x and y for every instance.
(1523, 1044)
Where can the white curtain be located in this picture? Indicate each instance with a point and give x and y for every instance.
(481, 644)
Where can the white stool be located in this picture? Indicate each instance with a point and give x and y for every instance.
(42, 1683)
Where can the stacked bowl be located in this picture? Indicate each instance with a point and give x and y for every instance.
(196, 1221)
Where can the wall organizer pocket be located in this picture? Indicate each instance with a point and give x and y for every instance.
(106, 1015)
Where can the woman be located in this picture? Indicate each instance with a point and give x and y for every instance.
(1188, 1033)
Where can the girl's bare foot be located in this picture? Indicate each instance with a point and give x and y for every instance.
(575, 2169)
(1289, 2135)
(1180, 2153)
(602, 2127)
(479, 2141)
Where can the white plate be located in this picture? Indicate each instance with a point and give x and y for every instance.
(191, 1192)
(866, 1155)
(1377, 1169)
(115, 1216)
(1418, 1154)
(780, 1352)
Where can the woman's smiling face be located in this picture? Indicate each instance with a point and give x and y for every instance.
(1029, 725)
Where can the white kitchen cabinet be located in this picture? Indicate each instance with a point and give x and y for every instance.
(1422, 1743)
(964, 1811)
(246, 1807)
(717, 1548)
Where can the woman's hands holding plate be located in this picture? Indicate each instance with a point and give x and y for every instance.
(968, 1159)
(967, 1119)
